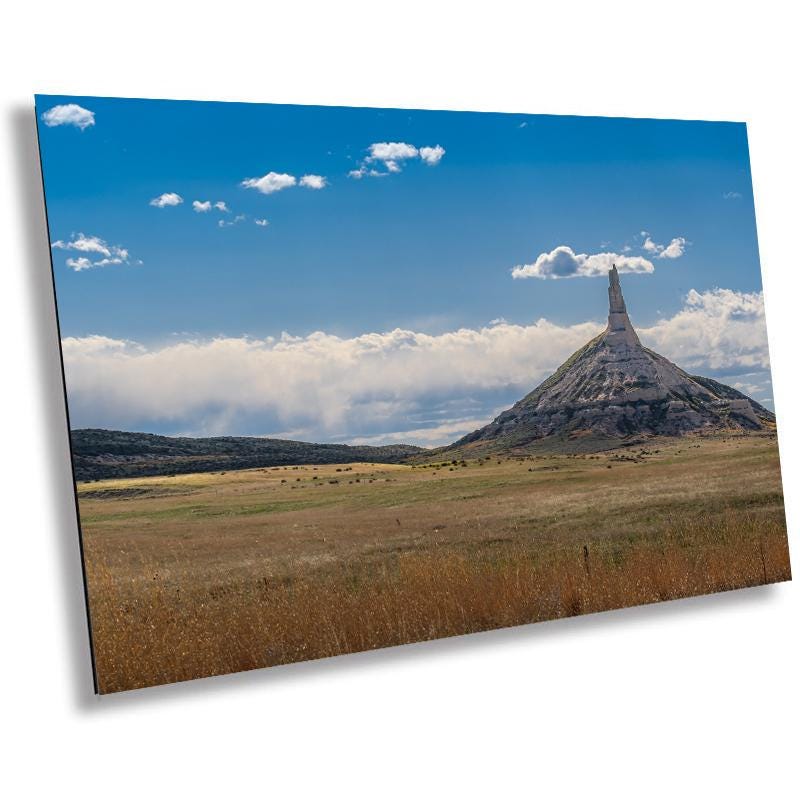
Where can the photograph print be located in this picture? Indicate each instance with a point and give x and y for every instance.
(339, 379)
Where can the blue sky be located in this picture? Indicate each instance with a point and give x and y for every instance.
(428, 248)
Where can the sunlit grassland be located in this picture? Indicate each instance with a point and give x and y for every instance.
(204, 574)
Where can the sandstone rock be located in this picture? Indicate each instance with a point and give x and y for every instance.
(614, 388)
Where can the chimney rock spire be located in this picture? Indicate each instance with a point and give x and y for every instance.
(619, 330)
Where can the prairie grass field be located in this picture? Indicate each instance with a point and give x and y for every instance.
(209, 573)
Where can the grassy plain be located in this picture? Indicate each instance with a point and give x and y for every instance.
(204, 574)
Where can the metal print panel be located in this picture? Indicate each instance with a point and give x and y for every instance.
(346, 378)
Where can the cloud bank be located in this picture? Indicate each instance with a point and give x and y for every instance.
(391, 386)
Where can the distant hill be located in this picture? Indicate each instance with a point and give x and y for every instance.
(101, 453)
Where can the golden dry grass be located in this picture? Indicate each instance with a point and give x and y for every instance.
(207, 574)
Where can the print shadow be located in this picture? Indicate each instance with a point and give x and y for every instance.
(59, 489)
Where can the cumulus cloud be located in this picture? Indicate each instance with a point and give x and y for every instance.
(716, 330)
(390, 386)
(69, 114)
(675, 249)
(262, 223)
(270, 183)
(731, 195)
(83, 243)
(564, 262)
(94, 245)
(277, 181)
(365, 170)
(204, 206)
(79, 264)
(314, 181)
(390, 157)
(432, 155)
(391, 154)
(224, 223)
(166, 199)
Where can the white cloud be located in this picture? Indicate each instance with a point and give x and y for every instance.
(223, 223)
(84, 244)
(166, 199)
(69, 114)
(204, 206)
(79, 264)
(716, 330)
(271, 182)
(392, 156)
(112, 254)
(393, 384)
(432, 155)
(391, 151)
(731, 195)
(371, 172)
(262, 222)
(650, 245)
(675, 249)
(564, 262)
(314, 181)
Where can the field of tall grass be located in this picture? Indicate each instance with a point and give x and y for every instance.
(166, 609)
(156, 633)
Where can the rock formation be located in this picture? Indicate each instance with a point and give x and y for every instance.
(613, 389)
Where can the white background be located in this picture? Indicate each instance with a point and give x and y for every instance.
(686, 699)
